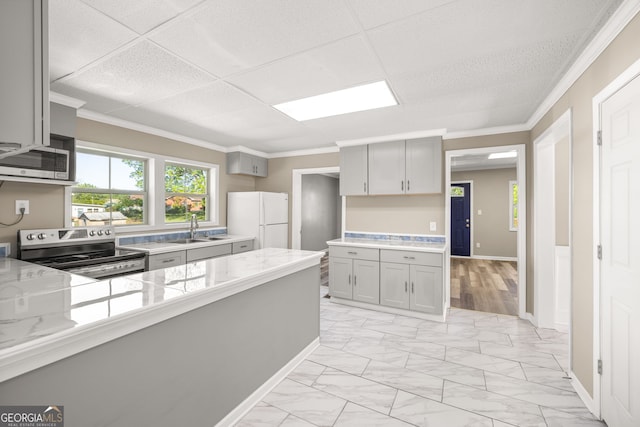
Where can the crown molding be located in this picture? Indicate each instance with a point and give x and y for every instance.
(103, 118)
(487, 131)
(309, 152)
(392, 137)
(611, 29)
(246, 150)
(61, 99)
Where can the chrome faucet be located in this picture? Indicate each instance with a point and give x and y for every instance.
(193, 226)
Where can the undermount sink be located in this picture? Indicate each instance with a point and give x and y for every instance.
(217, 237)
(183, 241)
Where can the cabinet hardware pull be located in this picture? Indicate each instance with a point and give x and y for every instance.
(365, 186)
(349, 279)
(243, 246)
(355, 280)
(352, 253)
(405, 286)
(412, 289)
(408, 184)
(409, 257)
(164, 261)
(402, 185)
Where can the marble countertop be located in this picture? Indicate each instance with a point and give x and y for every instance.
(47, 315)
(153, 248)
(408, 245)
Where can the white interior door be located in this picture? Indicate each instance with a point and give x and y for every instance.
(620, 264)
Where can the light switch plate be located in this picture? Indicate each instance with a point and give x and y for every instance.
(479, 211)
(432, 226)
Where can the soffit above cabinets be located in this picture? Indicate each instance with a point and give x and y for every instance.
(212, 69)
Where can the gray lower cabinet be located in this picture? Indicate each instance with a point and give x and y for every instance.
(244, 246)
(411, 280)
(207, 252)
(169, 259)
(354, 274)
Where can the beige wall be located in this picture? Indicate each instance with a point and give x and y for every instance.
(491, 196)
(619, 55)
(280, 178)
(47, 201)
(562, 189)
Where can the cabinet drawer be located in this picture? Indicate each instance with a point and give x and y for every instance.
(208, 252)
(411, 257)
(170, 259)
(244, 246)
(354, 253)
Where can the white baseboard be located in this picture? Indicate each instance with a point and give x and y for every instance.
(409, 313)
(494, 258)
(583, 394)
(531, 318)
(243, 408)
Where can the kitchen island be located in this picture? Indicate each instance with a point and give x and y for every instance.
(194, 344)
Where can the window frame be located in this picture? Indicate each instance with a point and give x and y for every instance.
(154, 204)
(206, 196)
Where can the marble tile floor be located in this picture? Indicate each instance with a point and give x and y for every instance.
(377, 369)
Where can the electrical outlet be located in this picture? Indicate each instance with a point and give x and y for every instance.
(479, 211)
(22, 204)
(477, 245)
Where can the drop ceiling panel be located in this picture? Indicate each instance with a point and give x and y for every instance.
(258, 32)
(375, 13)
(142, 73)
(80, 35)
(345, 63)
(141, 15)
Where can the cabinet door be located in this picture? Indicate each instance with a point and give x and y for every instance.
(424, 165)
(260, 166)
(426, 289)
(340, 272)
(394, 285)
(353, 171)
(366, 281)
(387, 168)
(25, 73)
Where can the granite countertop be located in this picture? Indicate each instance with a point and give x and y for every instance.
(47, 315)
(160, 247)
(396, 244)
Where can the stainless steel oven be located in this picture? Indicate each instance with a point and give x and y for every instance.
(88, 251)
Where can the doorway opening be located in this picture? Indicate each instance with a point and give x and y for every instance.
(485, 226)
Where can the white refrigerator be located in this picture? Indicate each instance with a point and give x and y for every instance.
(260, 214)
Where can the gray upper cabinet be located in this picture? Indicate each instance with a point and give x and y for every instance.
(406, 167)
(423, 165)
(386, 168)
(246, 164)
(353, 171)
(24, 104)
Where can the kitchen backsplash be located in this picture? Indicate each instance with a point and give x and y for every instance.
(162, 237)
(392, 236)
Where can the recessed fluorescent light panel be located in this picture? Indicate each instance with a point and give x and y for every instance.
(359, 98)
(505, 155)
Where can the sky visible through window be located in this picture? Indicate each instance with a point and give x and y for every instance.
(94, 169)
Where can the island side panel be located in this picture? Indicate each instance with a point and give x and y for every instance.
(189, 370)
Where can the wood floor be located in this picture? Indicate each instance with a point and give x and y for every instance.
(484, 285)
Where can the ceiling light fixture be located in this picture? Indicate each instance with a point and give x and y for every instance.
(359, 98)
(505, 155)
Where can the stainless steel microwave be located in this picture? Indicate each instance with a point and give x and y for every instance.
(40, 162)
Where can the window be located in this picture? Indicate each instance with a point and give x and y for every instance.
(111, 190)
(457, 191)
(186, 193)
(513, 205)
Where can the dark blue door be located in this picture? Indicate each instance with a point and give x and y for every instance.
(460, 219)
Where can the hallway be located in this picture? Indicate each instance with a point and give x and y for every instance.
(485, 285)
